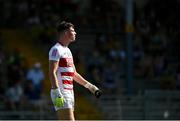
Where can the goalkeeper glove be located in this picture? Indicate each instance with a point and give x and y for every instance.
(58, 98)
(93, 89)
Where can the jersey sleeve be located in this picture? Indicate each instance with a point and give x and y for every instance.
(54, 54)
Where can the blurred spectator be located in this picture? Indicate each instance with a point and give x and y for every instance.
(95, 60)
(14, 96)
(31, 91)
(36, 76)
(16, 66)
(122, 54)
(110, 78)
(159, 65)
(138, 53)
(100, 42)
(33, 19)
(16, 57)
(111, 47)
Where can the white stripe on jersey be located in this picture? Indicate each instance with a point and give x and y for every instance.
(66, 69)
(67, 85)
(66, 78)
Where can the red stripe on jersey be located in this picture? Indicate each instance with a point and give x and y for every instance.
(62, 62)
(67, 82)
(66, 62)
(67, 73)
(69, 88)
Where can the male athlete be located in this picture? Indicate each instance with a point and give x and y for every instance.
(62, 72)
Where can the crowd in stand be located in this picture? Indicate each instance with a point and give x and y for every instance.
(20, 84)
(155, 50)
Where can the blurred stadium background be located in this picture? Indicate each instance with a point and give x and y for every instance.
(129, 48)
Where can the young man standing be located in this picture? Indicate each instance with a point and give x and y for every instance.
(62, 72)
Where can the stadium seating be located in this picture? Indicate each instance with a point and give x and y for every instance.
(153, 105)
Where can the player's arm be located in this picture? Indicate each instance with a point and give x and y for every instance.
(79, 79)
(53, 65)
(59, 99)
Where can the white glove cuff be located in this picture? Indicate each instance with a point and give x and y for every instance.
(87, 85)
(56, 92)
(91, 87)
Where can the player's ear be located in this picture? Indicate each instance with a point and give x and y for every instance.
(65, 33)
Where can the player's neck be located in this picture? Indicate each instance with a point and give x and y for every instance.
(64, 44)
(64, 41)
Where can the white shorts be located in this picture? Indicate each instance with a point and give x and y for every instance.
(69, 102)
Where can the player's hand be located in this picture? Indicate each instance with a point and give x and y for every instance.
(58, 98)
(96, 91)
(59, 102)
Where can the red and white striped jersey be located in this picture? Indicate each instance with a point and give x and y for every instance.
(65, 70)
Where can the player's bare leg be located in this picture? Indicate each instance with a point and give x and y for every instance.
(66, 114)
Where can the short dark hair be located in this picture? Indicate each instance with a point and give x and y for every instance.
(61, 26)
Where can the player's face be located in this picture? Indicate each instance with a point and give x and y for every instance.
(71, 34)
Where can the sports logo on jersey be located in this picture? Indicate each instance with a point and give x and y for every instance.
(54, 53)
